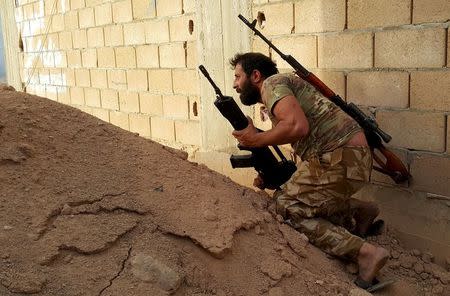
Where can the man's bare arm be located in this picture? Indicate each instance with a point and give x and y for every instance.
(291, 126)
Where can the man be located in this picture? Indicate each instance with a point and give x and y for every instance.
(332, 149)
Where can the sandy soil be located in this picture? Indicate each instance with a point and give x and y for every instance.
(87, 208)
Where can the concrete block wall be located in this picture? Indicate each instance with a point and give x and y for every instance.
(392, 59)
(129, 62)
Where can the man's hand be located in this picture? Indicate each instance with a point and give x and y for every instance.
(259, 182)
(247, 137)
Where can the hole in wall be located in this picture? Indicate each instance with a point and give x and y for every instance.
(20, 42)
(194, 109)
(191, 26)
(261, 18)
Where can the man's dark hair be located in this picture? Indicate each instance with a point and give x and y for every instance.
(255, 61)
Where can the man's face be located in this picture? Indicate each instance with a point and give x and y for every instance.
(249, 93)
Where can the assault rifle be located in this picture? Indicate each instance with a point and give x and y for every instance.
(392, 166)
(274, 173)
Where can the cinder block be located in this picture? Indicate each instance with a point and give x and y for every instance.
(106, 57)
(71, 20)
(50, 93)
(52, 42)
(189, 6)
(95, 37)
(350, 50)
(48, 59)
(134, 33)
(160, 81)
(279, 18)
(381, 13)
(77, 4)
(414, 130)
(185, 82)
(92, 97)
(86, 17)
(129, 101)
(79, 38)
(44, 76)
(143, 9)
(82, 77)
(63, 95)
(172, 55)
(430, 173)
(419, 48)
(68, 76)
(122, 11)
(156, 31)
(109, 99)
(169, 8)
(162, 128)
(182, 28)
(259, 45)
(39, 9)
(99, 78)
(55, 76)
(137, 80)
(378, 88)
(191, 55)
(303, 48)
(119, 119)
(65, 40)
(77, 96)
(319, 16)
(425, 11)
(101, 114)
(93, 3)
(176, 106)
(125, 57)
(430, 90)
(89, 58)
(63, 6)
(151, 104)
(117, 79)
(147, 56)
(334, 80)
(188, 132)
(84, 109)
(103, 14)
(57, 24)
(60, 59)
(113, 35)
(74, 58)
(140, 123)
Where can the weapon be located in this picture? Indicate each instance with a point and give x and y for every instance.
(392, 166)
(273, 172)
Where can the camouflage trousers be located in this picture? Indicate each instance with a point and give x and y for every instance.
(316, 200)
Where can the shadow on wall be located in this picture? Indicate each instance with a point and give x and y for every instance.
(2, 58)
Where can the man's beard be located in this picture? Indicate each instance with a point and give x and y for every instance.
(249, 94)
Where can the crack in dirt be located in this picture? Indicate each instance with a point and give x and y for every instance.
(99, 250)
(48, 223)
(119, 273)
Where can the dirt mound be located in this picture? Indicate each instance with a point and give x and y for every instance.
(87, 208)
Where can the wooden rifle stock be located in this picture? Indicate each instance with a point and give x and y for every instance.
(391, 165)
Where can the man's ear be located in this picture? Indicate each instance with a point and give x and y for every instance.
(256, 76)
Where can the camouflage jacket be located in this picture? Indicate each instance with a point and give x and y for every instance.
(329, 126)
